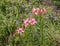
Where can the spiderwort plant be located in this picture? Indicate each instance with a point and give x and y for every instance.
(30, 3)
(31, 14)
(26, 9)
(10, 14)
(47, 16)
(10, 8)
(17, 23)
(55, 18)
(23, 6)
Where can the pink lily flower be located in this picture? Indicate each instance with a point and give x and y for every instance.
(43, 11)
(35, 11)
(20, 31)
(32, 21)
(26, 23)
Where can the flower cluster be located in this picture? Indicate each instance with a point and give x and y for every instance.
(37, 11)
(30, 21)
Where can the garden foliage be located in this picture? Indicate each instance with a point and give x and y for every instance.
(56, 2)
(27, 23)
